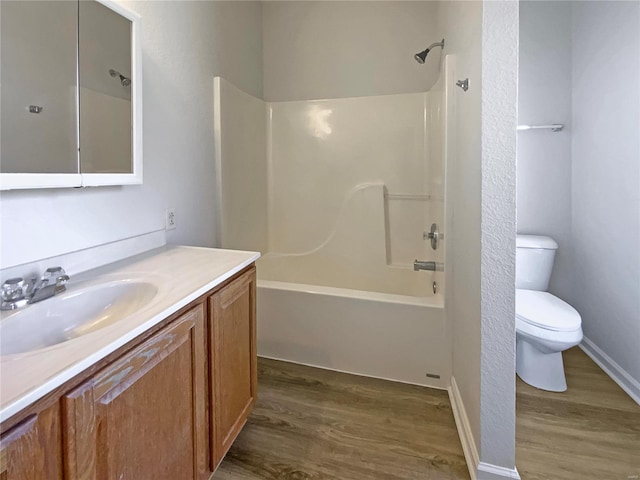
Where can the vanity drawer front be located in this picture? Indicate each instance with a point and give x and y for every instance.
(144, 416)
(32, 449)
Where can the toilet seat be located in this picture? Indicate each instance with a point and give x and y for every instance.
(545, 311)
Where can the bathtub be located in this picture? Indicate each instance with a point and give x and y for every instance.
(372, 333)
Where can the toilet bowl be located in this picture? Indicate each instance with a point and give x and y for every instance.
(545, 325)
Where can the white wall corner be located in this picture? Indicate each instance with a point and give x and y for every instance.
(464, 429)
(618, 374)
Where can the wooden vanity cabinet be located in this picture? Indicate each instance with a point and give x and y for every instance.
(233, 359)
(32, 449)
(167, 406)
(141, 416)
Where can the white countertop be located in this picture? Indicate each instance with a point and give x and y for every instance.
(181, 274)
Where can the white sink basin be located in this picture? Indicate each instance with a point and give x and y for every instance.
(72, 314)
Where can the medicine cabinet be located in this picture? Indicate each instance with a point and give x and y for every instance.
(70, 94)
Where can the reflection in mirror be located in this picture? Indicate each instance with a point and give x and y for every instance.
(105, 90)
(38, 87)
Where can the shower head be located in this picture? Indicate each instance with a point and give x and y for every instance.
(125, 81)
(421, 56)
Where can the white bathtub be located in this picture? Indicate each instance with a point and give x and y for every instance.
(395, 337)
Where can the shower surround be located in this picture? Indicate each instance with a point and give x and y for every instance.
(337, 194)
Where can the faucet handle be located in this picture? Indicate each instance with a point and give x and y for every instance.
(13, 289)
(52, 274)
(13, 294)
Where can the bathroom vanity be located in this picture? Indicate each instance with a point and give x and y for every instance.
(159, 394)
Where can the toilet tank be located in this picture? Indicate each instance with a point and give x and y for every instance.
(534, 261)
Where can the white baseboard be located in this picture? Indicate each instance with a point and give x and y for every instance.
(464, 429)
(477, 470)
(629, 384)
(487, 471)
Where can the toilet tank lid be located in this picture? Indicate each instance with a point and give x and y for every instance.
(536, 241)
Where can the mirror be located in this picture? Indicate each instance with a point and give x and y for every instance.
(38, 52)
(105, 90)
(70, 94)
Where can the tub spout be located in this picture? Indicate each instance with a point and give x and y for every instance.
(431, 266)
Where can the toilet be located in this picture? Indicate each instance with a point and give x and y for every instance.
(545, 325)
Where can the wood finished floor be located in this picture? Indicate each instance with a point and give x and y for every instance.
(315, 424)
(591, 431)
(310, 423)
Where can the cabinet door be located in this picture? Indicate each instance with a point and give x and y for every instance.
(144, 416)
(32, 450)
(232, 318)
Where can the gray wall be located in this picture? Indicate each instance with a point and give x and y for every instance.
(185, 44)
(606, 177)
(580, 65)
(544, 157)
(315, 50)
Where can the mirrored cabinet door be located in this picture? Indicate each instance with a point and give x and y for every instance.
(70, 94)
(105, 90)
(38, 87)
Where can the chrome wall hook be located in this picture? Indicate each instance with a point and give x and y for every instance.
(463, 84)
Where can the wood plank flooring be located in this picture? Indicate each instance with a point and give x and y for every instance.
(310, 423)
(591, 431)
(316, 424)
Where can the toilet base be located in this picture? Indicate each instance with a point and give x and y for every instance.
(541, 370)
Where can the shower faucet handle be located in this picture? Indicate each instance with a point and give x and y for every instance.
(434, 235)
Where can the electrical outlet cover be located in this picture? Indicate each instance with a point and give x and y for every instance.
(170, 219)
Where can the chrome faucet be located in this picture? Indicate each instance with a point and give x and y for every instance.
(431, 266)
(16, 292)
